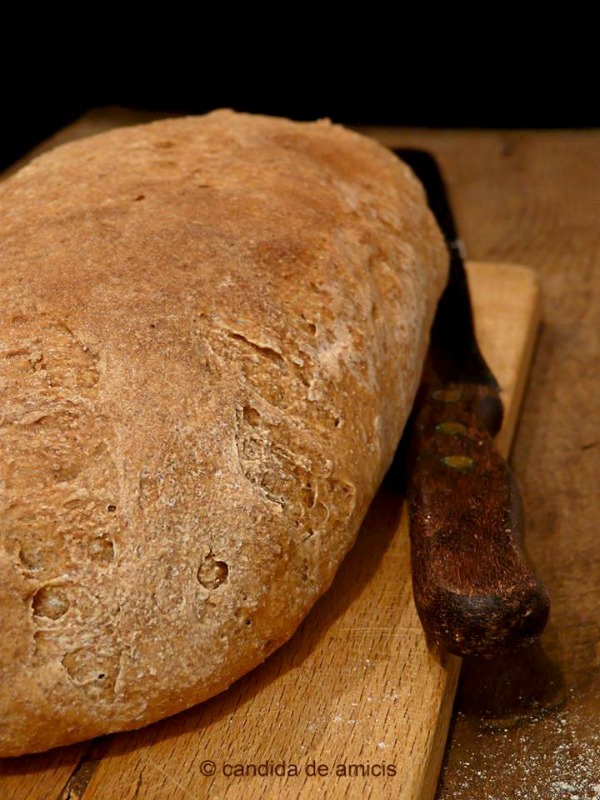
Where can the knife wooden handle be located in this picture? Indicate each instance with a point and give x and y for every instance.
(474, 589)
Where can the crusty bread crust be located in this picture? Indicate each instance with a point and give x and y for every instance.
(211, 333)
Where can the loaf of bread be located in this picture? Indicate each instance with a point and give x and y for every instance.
(211, 333)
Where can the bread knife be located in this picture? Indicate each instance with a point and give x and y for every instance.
(474, 588)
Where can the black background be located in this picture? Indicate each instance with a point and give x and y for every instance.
(420, 74)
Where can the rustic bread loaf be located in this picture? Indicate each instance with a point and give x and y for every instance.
(211, 333)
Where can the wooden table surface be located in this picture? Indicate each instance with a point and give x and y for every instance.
(528, 726)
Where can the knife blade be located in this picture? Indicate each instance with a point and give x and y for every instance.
(474, 588)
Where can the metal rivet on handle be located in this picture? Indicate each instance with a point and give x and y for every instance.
(459, 462)
(451, 428)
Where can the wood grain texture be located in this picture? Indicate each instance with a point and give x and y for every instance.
(356, 689)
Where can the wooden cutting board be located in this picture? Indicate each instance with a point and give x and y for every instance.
(355, 705)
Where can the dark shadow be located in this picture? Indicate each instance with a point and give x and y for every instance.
(59, 757)
(504, 691)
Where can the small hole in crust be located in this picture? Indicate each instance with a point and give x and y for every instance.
(251, 416)
(32, 557)
(309, 533)
(307, 494)
(111, 507)
(212, 573)
(310, 326)
(305, 574)
(51, 602)
(101, 550)
(92, 671)
(139, 197)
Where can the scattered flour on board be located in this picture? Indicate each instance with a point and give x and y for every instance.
(569, 770)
